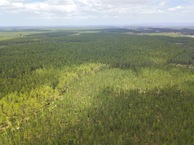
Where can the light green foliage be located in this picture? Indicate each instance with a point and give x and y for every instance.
(100, 88)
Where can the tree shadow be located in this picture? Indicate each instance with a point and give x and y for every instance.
(117, 116)
(134, 117)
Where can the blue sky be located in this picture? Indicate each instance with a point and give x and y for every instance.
(95, 12)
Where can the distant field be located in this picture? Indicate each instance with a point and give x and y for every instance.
(167, 34)
(96, 86)
(6, 35)
(164, 34)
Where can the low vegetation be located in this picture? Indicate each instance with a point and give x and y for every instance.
(57, 87)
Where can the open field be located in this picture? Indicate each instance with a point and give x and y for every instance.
(96, 86)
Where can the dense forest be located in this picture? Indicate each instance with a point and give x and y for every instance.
(95, 86)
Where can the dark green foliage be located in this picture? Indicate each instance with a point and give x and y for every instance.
(71, 87)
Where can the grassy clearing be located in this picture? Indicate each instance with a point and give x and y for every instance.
(7, 35)
(164, 34)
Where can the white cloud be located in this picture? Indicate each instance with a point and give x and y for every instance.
(182, 10)
(4, 3)
(18, 5)
(52, 7)
(177, 8)
(69, 6)
(91, 9)
(125, 2)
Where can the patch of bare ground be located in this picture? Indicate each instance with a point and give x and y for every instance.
(179, 44)
(75, 34)
(191, 36)
(191, 66)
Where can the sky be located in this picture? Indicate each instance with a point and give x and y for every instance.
(95, 12)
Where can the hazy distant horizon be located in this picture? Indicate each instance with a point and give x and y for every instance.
(106, 25)
(102, 26)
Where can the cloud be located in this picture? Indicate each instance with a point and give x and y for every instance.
(182, 10)
(125, 2)
(4, 3)
(78, 7)
(93, 9)
(38, 7)
(177, 8)
(68, 6)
